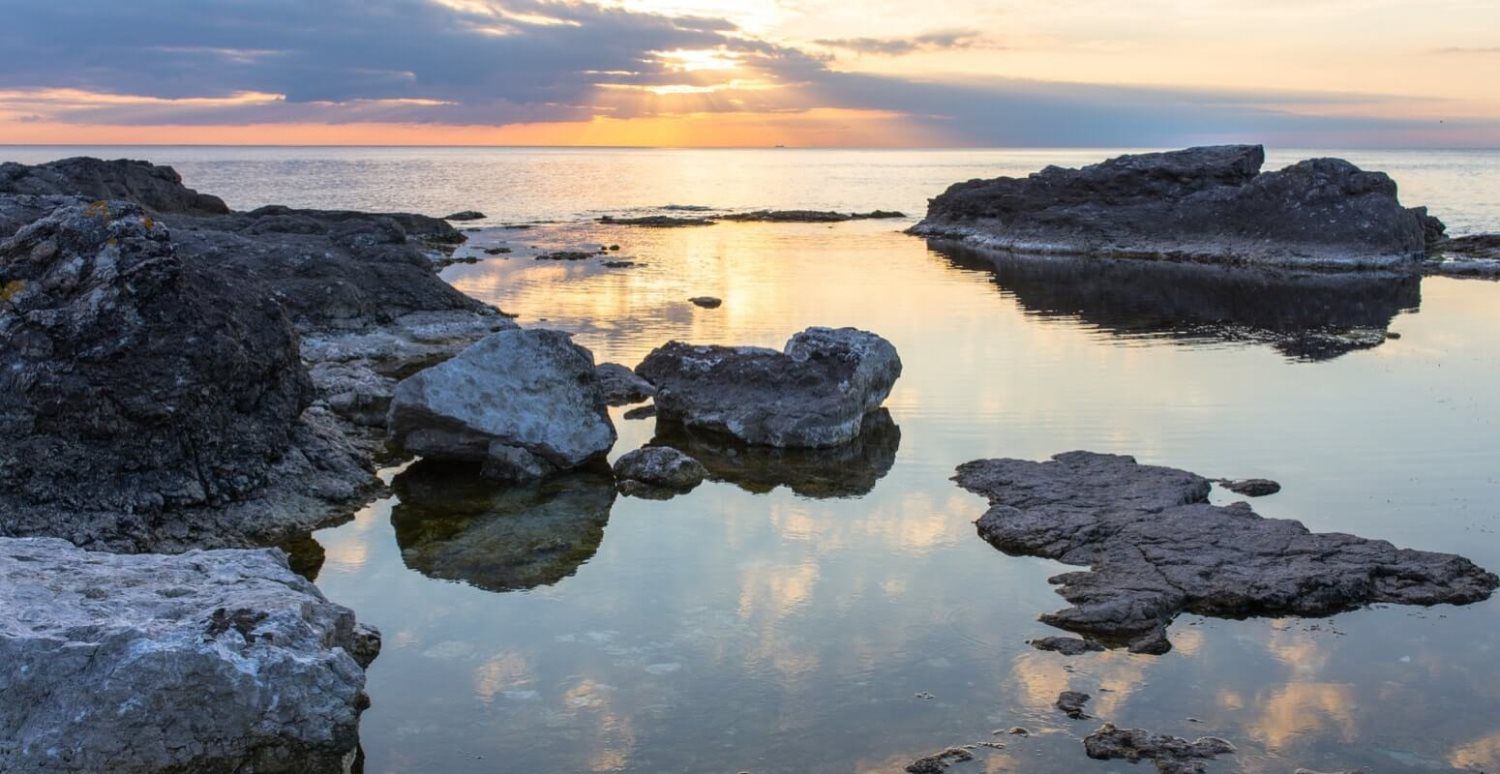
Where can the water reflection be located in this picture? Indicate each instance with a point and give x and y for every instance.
(454, 525)
(850, 470)
(1306, 316)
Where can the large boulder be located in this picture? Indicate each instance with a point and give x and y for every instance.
(158, 189)
(218, 661)
(134, 383)
(1155, 547)
(526, 403)
(1204, 204)
(813, 394)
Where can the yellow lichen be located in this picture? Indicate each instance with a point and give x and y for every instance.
(99, 209)
(150, 222)
(10, 289)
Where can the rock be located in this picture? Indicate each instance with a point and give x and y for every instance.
(1071, 704)
(619, 264)
(1017, 731)
(1155, 548)
(707, 302)
(525, 401)
(466, 215)
(848, 470)
(204, 661)
(1341, 771)
(1250, 487)
(642, 412)
(621, 386)
(656, 221)
(1305, 315)
(658, 467)
(937, 763)
(154, 188)
(808, 216)
(136, 385)
(1172, 755)
(497, 251)
(1068, 646)
(814, 394)
(566, 255)
(452, 524)
(1201, 204)
(1477, 255)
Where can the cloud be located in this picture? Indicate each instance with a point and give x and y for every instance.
(931, 41)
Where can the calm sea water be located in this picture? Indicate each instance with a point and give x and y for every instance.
(838, 613)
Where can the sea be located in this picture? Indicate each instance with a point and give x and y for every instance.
(838, 612)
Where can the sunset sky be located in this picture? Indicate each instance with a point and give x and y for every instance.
(752, 73)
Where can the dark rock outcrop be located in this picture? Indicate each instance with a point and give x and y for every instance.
(526, 403)
(452, 524)
(657, 470)
(808, 216)
(1201, 204)
(1250, 487)
(621, 386)
(1307, 316)
(204, 661)
(1071, 703)
(1476, 255)
(848, 470)
(813, 394)
(1156, 548)
(706, 302)
(1171, 754)
(158, 189)
(1068, 646)
(466, 215)
(937, 763)
(656, 221)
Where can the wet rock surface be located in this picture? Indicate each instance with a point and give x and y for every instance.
(1307, 316)
(1156, 548)
(849, 470)
(1068, 646)
(526, 403)
(808, 216)
(813, 394)
(1475, 255)
(1201, 204)
(466, 215)
(1171, 754)
(658, 468)
(656, 221)
(621, 386)
(937, 763)
(451, 524)
(204, 661)
(1250, 487)
(706, 302)
(1071, 703)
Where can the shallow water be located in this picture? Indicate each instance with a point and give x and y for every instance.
(839, 613)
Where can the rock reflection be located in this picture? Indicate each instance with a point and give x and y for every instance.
(453, 525)
(1307, 316)
(850, 470)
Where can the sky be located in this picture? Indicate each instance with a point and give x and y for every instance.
(869, 73)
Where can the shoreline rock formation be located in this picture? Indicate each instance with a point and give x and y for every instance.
(204, 661)
(1209, 204)
(1171, 754)
(1156, 548)
(815, 393)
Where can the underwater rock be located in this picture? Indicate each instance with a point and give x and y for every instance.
(1210, 204)
(452, 524)
(1155, 548)
(1068, 646)
(848, 470)
(656, 221)
(658, 467)
(525, 402)
(813, 394)
(808, 216)
(1171, 754)
(938, 763)
(204, 661)
(1071, 703)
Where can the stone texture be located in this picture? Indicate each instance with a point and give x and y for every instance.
(1250, 487)
(526, 402)
(813, 394)
(219, 661)
(658, 468)
(1171, 754)
(621, 386)
(1071, 703)
(1067, 646)
(1156, 548)
(454, 525)
(155, 188)
(1200, 204)
(937, 763)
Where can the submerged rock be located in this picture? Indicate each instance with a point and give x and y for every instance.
(1250, 487)
(526, 403)
(1476, 255)
(1156, 548)
(1068, 646)
(1200, 204)
(849, 470)
(205, 661)
(621, 386)
(937, 763)
(1071, 703)
(813, 394)
(466, 215)
(656, 221)
(1171, 754)
(1305, 315)
(451, 524)
(658, 468)
(808, 216)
